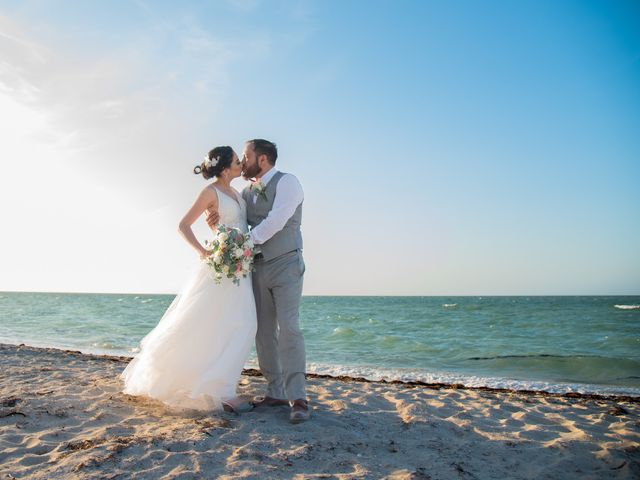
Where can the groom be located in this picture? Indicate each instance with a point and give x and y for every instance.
(274, 213)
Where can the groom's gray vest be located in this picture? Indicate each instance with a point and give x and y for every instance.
(287, 239)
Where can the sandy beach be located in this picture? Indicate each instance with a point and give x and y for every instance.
(62, 416)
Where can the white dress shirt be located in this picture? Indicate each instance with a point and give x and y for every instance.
(289, 195)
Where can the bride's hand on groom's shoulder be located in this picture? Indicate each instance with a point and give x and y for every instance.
(212, 219)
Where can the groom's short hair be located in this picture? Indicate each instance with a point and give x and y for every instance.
(265, 147)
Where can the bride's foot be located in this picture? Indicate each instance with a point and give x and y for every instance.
(236, 405)
(270, 402)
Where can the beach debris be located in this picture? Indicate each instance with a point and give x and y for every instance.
(10, 402)
(617, 411)
(458, 468)
(93, 462)
(58, 412)
(8, 413)
(620, 466)
(21, 424)
(118, 444)
(83, 444)
(206, 426)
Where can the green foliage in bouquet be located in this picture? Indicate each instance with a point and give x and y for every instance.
(231, 254)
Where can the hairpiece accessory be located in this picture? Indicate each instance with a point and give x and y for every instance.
(211, 162)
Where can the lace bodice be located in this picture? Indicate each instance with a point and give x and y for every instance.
(233, 213)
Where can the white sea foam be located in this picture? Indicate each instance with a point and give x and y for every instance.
(400, 374)
(409, 375)
(628, 307)
(447, 305)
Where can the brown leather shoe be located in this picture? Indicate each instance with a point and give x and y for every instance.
(270, 402)
(299, 411)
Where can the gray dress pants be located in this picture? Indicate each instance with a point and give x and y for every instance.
(277, 286)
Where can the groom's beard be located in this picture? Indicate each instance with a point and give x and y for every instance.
(251, 172)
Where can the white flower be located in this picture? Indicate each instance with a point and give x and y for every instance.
(259, 189)
(234, 265)
(211, 162)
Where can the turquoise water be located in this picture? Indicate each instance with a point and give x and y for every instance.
(585, 344)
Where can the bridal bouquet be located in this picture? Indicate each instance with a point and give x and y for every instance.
(231, 254)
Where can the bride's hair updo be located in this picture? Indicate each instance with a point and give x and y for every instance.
(218, 159)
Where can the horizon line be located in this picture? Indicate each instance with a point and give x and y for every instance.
(356, 295)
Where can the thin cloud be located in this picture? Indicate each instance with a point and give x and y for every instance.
(105, 96)
(9, 36)
(125, 108)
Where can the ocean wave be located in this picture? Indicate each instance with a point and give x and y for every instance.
(537, 355)
(628, 307)
(414, 375)
(374, 374)
(448, 305)
(390, 374)
(343, 332)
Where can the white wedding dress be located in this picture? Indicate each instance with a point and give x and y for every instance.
(194, 357)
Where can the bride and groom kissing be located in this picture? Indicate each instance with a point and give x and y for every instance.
(193, 358)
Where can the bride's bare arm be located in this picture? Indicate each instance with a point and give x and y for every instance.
(207, 200)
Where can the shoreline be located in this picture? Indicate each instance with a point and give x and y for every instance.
(252, 372)
(408, 339)
(63, 415)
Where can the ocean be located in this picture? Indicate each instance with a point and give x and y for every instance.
(585, 344)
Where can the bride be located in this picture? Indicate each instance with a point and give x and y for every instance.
(194, 357)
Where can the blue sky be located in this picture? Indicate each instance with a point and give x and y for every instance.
(444, 147)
